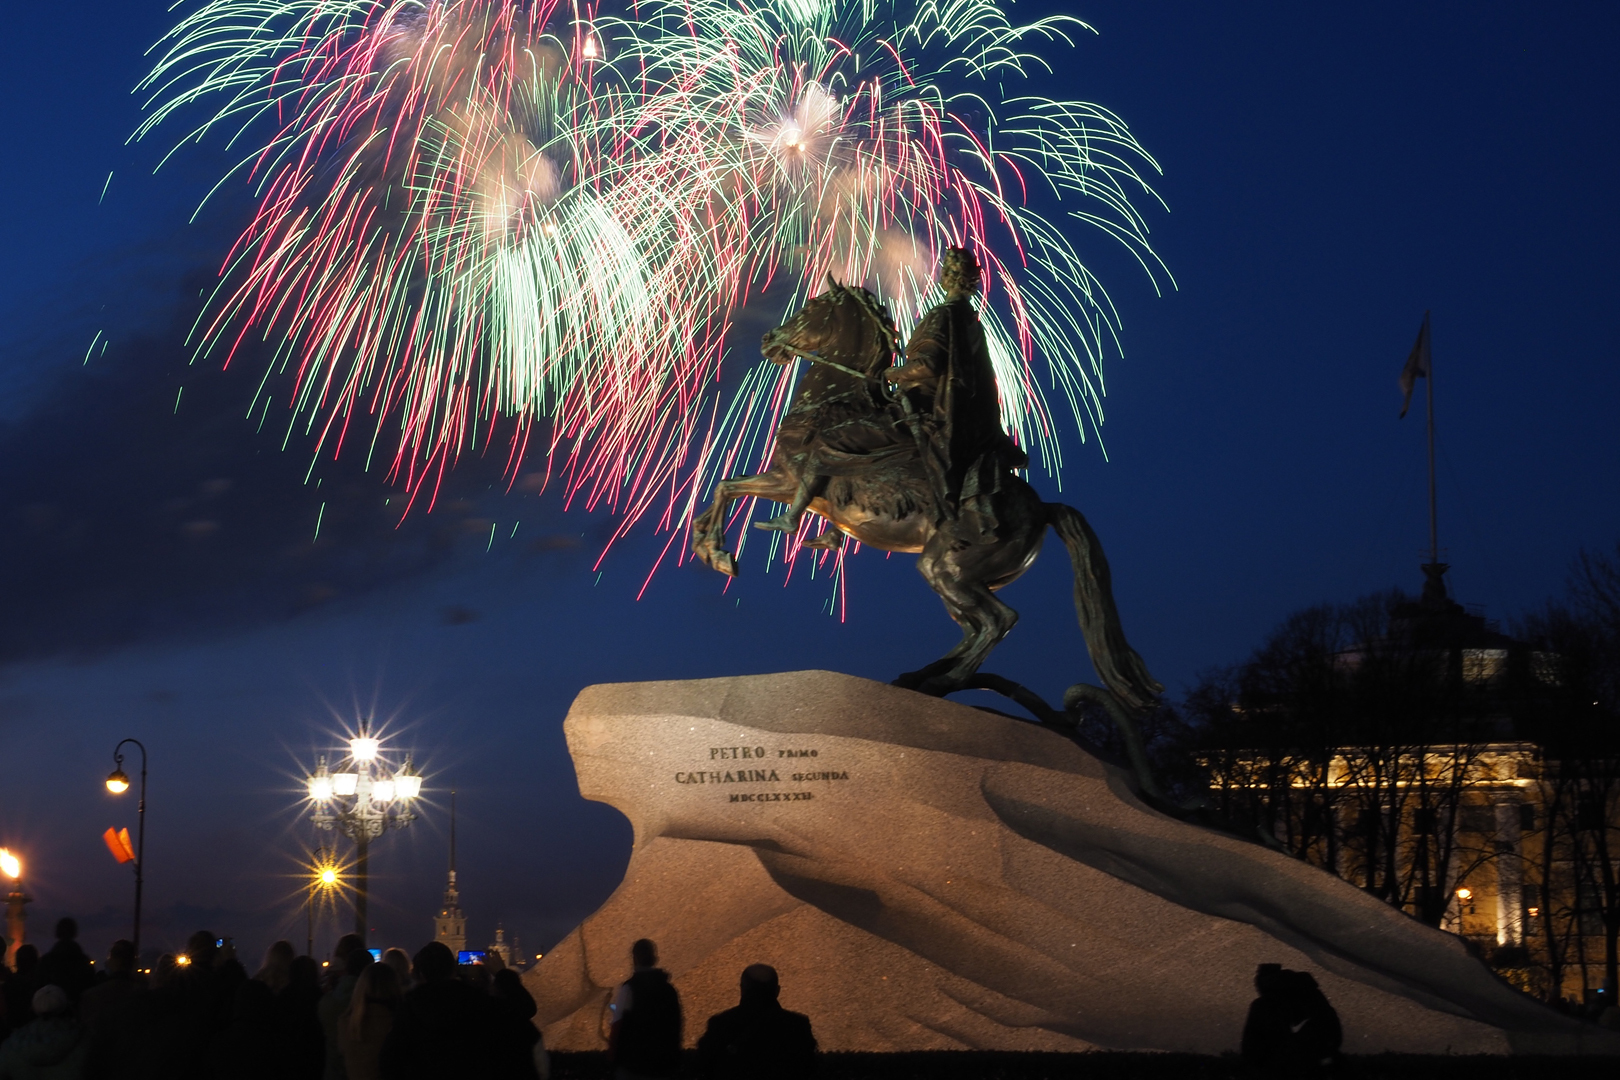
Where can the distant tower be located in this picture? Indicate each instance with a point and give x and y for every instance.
(451, 925)
(500, 947)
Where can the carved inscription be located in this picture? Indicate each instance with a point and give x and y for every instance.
(741, 776)
(760, 775)
(733, 753)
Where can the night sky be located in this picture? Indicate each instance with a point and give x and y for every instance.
(1331, 172)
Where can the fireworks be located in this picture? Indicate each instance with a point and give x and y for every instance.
(476, 212)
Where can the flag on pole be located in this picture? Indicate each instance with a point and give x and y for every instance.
(1417, 365)
(118, 843)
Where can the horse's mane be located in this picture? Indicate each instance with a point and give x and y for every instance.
(871, 305)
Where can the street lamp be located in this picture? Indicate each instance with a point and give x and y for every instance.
(118, 783)
(11, 867)
(324, 878)
(363, 802)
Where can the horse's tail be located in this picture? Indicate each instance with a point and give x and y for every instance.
(1120, 668)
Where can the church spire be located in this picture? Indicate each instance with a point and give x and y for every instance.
(450, 927)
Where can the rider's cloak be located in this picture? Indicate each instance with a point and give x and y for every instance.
(970, 449)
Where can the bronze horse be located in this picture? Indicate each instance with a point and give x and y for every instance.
(881, 495)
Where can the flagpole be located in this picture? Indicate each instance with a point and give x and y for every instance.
(1434, 513)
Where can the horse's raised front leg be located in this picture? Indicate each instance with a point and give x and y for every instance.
(709, 528)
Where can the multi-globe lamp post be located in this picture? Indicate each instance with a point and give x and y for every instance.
(362, 801)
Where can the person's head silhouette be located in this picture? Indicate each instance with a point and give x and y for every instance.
(760, 984)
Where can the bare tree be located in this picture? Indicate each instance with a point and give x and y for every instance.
(1356, 744)
(1565, 704)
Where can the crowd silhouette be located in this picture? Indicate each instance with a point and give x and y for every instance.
(1291, 1030)
(757, 1040)
(199, 1015)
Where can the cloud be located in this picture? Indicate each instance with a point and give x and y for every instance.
(138, 502)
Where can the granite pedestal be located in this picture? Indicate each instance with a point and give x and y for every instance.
(925, 875)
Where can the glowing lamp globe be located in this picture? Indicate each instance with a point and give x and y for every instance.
(382, 791)
(328, 877)
(10, 865)
(118, 783)
(320, 788)
(345, 783)
(407, 786)
(364, 749)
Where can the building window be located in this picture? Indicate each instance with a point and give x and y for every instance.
(1479, 820)
(1589, 903)
(1482, 665)
(1589, 815)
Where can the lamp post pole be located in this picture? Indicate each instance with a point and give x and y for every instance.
(362, 860)
(16, 917)
(323, 878)
(362, 803)
(118, 783)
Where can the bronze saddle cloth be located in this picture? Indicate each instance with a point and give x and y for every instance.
(845, 438)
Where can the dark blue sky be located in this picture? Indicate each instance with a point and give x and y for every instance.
(1331, 171)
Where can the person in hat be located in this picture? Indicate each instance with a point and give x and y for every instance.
(52, 1046)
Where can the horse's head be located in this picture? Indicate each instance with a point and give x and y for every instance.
(845, 324)
(814, 329)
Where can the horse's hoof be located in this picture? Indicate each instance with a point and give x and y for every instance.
(831, 540)
(781, 523)
(716, 559)
(911, 680)
(930, 679)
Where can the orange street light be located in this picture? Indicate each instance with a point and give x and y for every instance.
(118, 783)
(324, 878)
(16, 917)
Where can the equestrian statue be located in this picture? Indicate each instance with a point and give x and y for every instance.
(928, 468)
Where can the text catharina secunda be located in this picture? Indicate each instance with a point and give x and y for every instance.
(753, 776)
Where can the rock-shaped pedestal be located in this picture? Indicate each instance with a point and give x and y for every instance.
(926, 875)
